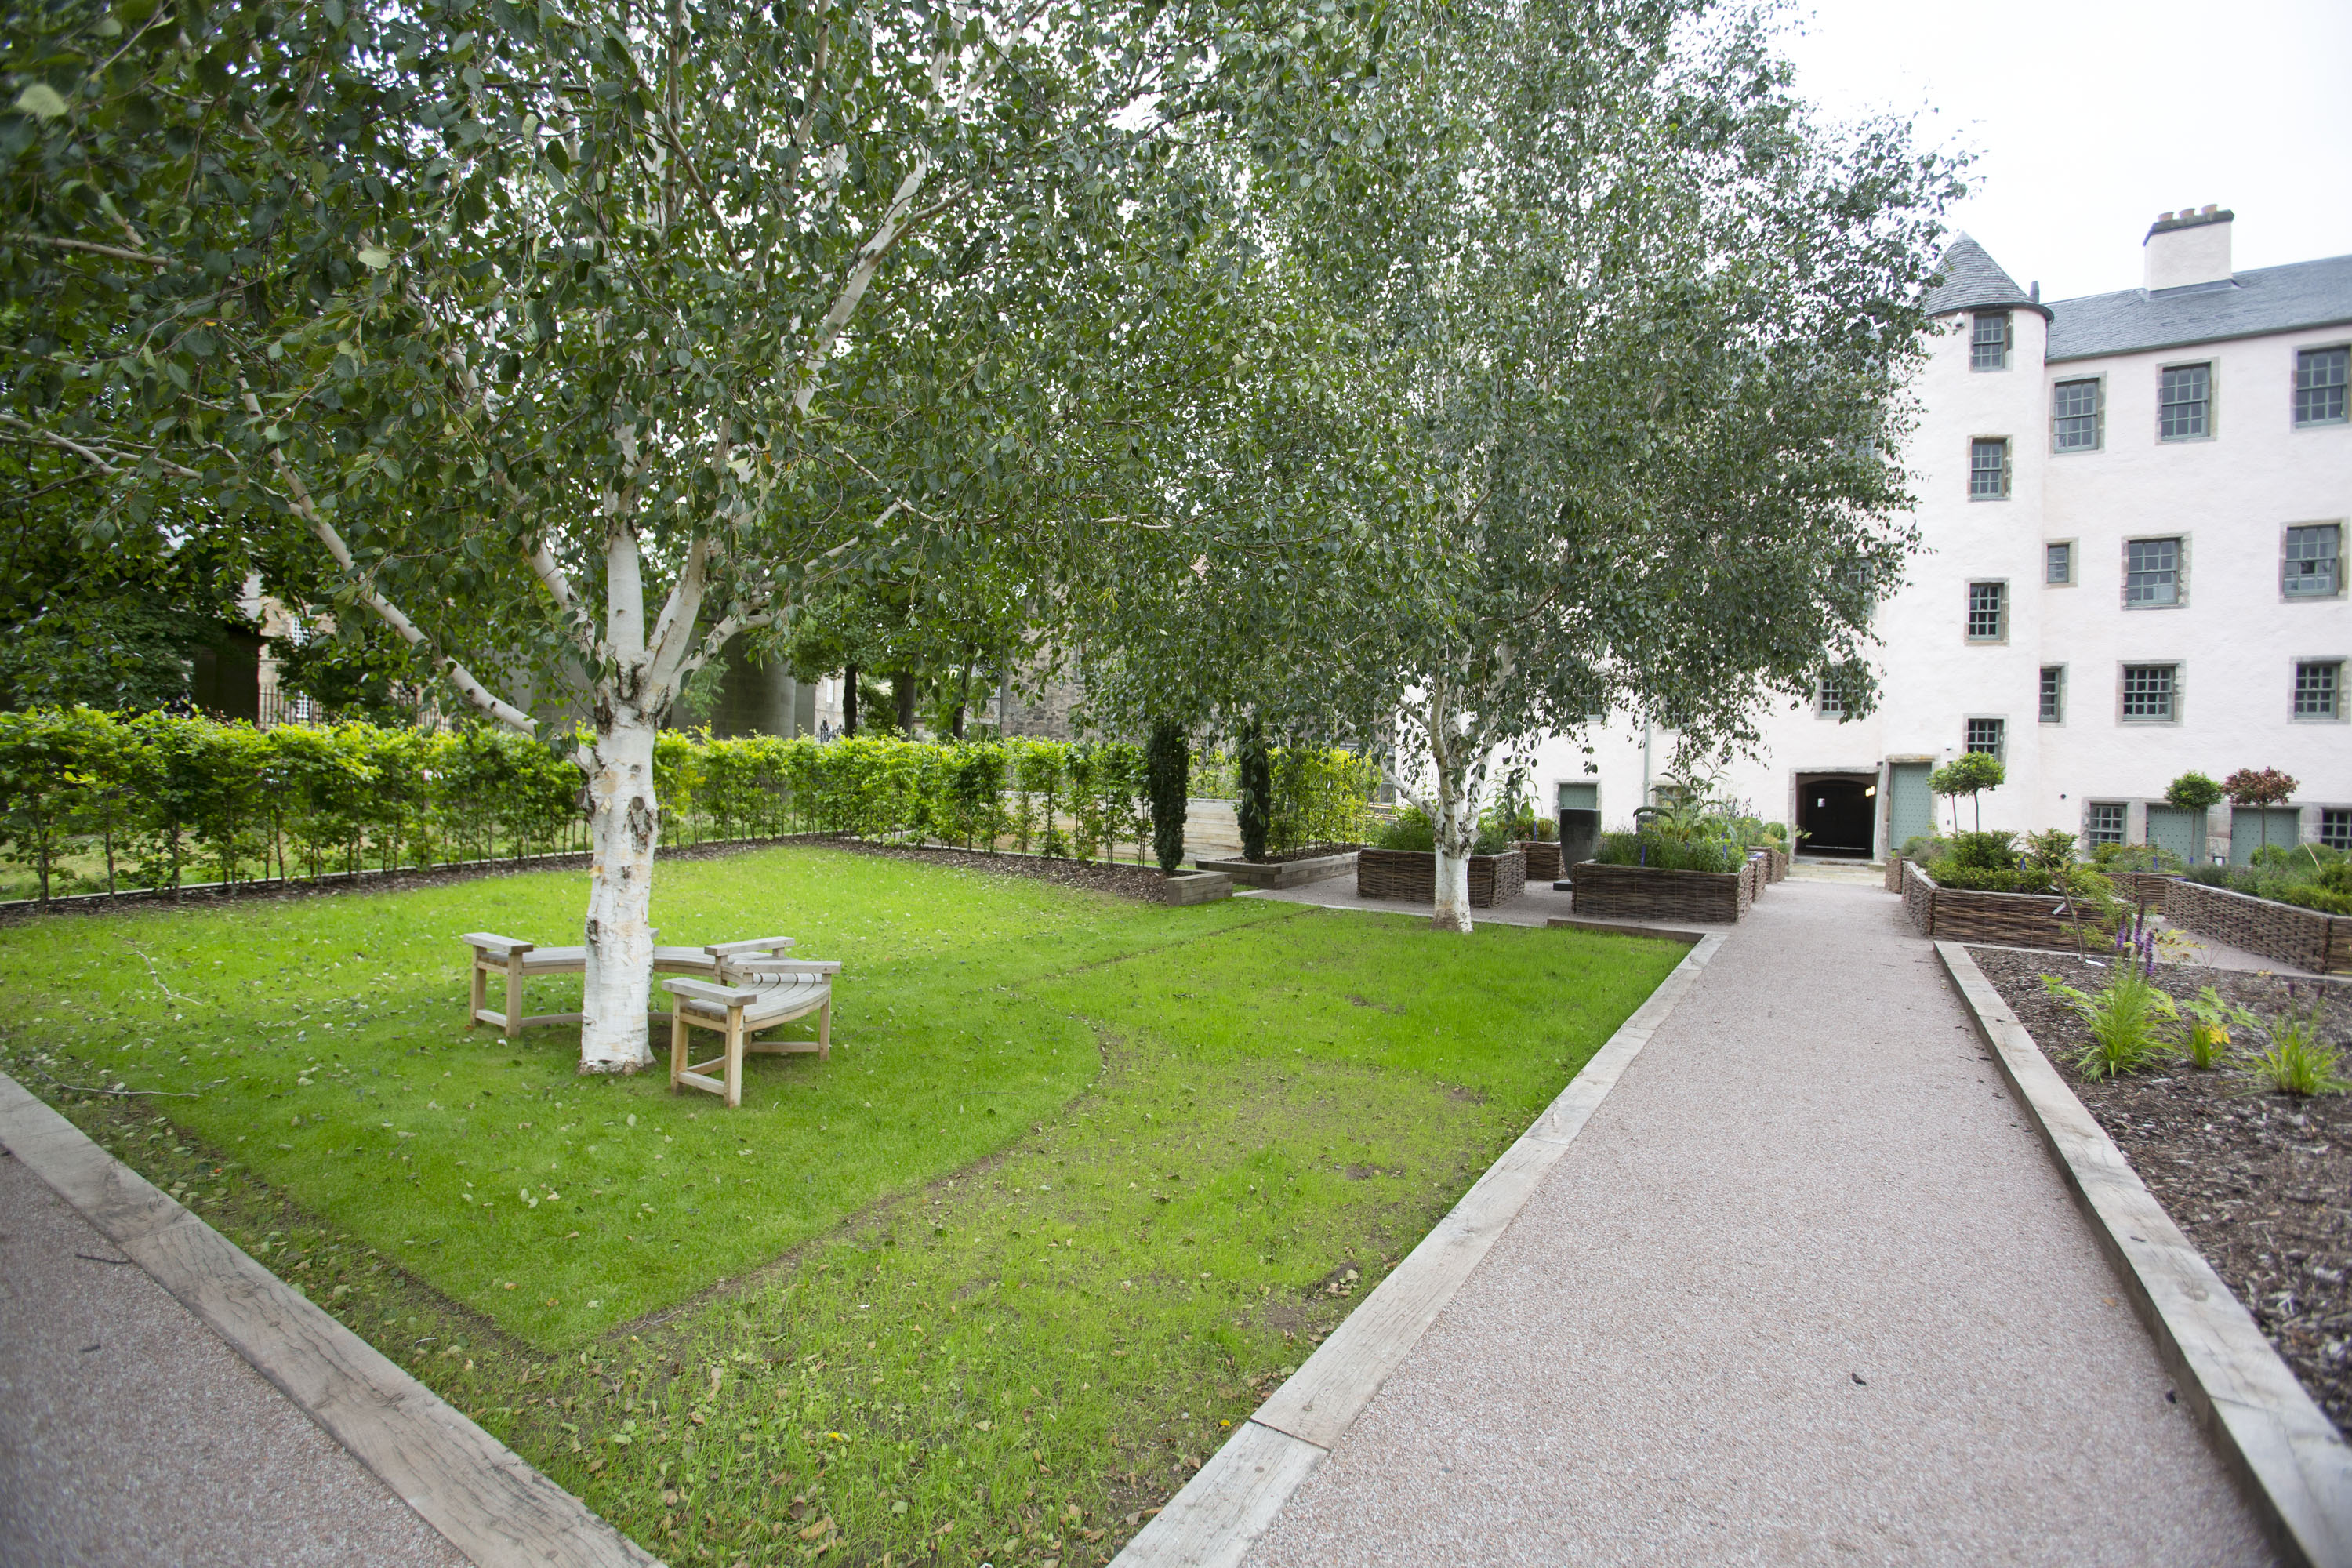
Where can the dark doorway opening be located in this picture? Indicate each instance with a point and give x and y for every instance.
(1838, 814)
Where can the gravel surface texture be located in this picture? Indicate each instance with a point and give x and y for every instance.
(2261, 1180)
(1804, 1291)
(131, 1435)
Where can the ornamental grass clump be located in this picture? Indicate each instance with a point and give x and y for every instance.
(2298, 1061)
(2132, 1022)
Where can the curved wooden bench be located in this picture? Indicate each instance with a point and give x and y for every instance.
(517, 961)
(762, 993)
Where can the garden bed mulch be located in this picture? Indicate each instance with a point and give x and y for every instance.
(2262, 1182)
(1130, 881)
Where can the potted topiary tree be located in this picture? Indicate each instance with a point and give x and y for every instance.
(1969, 773)
(2261, 789)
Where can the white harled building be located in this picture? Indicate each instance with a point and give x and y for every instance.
(2133, 508)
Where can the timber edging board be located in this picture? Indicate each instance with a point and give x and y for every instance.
(1220, 1512)
(2285, 1455)
(480, 1494)
(1284, 873)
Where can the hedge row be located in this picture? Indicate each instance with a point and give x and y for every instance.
(102, 801)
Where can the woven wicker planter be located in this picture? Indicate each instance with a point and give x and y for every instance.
(2304, 938)
(1412, 874)
(2010, 919)
(1543, 858)
(1646, 893)
(1777, 864)
(2146, 888)
(1895, 864)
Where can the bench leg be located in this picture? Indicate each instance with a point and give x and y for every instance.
(677, 1047)
(734, 1056)
(514, 997)
(478, 995)
(824, 1031)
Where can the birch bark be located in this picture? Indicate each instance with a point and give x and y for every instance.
(624, 827)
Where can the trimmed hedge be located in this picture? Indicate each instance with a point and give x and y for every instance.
(151, 801)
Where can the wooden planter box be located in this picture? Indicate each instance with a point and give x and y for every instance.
(2149, 889)
(1777, 861)
(1196, 888)
(2009, 919)
(1543, 858)
(1646, 893)
(2288, 933)
(1411, 874)
(1282, 873)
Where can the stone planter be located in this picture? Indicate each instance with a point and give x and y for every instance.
(1411, 874)
(1646, 893)
(2009, 919)
(2288, 933)
(1282, 873)
(1543, 859)
(1196, 888)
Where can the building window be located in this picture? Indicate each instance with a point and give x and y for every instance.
(2312, 555)
(1836, 700)
(2058, 564)
(2318, 689)
(2054, 694)
(1988, 612)
(1988, 349)
(1988, 735)
(2336, 827)
(2105, 823)
(2151, 573)
(2185, 403)
(1988, 470)
(2319, 386)
(2150, 693)
(2074, 416)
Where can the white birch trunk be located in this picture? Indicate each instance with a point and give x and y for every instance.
(1454, 818)
(624, 826)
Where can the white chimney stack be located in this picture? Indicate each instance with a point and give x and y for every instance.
(2187, 247)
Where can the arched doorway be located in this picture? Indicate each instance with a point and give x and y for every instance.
(1837, 814)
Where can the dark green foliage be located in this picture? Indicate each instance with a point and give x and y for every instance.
(1254, 806)
(1168, 762)
(2310, 876)
(1409, 829)
(2193, 791)
(1665, 852)
(1985, 851)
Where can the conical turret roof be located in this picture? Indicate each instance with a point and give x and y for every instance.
(1969, 279)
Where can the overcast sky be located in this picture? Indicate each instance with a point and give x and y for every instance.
(2091, 116)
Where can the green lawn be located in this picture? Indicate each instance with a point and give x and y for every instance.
(1082, 1178)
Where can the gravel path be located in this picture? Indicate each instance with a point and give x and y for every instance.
(131, 1435)
(1804, 1291)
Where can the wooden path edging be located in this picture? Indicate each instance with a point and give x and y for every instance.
(2294, 1469)
(1224, 1508)
(484, 1498)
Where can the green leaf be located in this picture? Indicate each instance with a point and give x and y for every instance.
(40, 100)
(374, 260)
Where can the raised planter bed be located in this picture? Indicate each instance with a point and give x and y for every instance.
(2288, 933)
(2008, 919)
(1284, 873)
(1543, 858)
(1196, 888)
(1646, 893)
(2146, 888)
(1411, 874)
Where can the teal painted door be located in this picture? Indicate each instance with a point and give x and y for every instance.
(2246, 830)
(2177, 832)
(1911, 810)
(1579, 798)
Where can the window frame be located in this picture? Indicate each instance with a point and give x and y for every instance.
(2008, 465)
(2090, 810)
(2000, 752)
(2098, 384)
(1842, 713)
(2336, 693)
(1968, 624)
(2046, 710)
(2212, 400)
(2286, 537)
(2336, 827)
(2123, 687)
(2295, 389)
(2007, 319)
(2179, 600)
(2073, 549)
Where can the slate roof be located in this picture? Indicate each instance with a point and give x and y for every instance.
(1969, 279)
(2267, 299)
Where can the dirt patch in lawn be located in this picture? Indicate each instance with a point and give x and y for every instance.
(1143, 882)
(2261, 1180)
